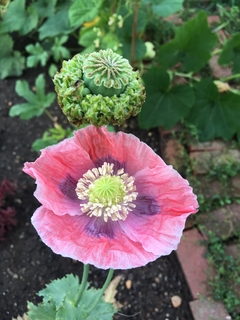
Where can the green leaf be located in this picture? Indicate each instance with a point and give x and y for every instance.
(26, 111)
(164, 106)
(6, 45)
(30, 20)
(60, 52)
(11, 62)
(38, 54)
(140, 49)
(11, 65)
(238, 135)
(13, 18)
(36, 103)
(231, 53)
(55, 25)
(51, 136)
(215, 115)
(58, 289)
(128, 22)
(191, 46)
(40, 144)
(164, 8)
(52, 70)
(83, 10)
(46, 311)
(59, 298)
(17, 18)
(45, 8)
(110, 41)
(87, 36)
(23, 90)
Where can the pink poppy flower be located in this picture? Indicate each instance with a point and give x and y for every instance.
(109, 200)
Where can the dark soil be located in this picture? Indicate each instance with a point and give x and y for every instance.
(27, 265)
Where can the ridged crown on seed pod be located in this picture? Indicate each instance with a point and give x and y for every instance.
(99, 88)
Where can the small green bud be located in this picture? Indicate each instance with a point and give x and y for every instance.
(99, 88)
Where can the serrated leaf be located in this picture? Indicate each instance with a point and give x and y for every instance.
(17, 18)
(12, 65)
(45, 8)
(191, 46)
(38, 54)
(215, 115)
(59, 289)
(46, 311)
(164, 106)
(231, 53)
(59, 301)
(55, 25)
(164, 8)
(103, 310)
(82, 11)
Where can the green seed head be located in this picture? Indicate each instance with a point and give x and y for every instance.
(99, 88)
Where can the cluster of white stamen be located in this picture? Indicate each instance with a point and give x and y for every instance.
(109, 195)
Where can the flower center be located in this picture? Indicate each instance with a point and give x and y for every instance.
(109, 194)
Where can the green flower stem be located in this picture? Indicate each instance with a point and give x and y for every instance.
(109, 278)
(83, 283)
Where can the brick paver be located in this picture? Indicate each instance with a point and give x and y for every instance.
(207, 309)
(195, 266)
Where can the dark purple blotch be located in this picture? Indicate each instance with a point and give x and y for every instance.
(146, 205)
(109, 159)
(68, 186)
(97, 228)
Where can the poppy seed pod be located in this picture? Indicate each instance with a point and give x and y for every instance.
(99, 88)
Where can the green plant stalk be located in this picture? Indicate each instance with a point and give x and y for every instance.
(50, 116)
(217, 51)
(134, 32)
(185, 75)
(233, 76)
(223, 25)
(109, 278)
(83, 283)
